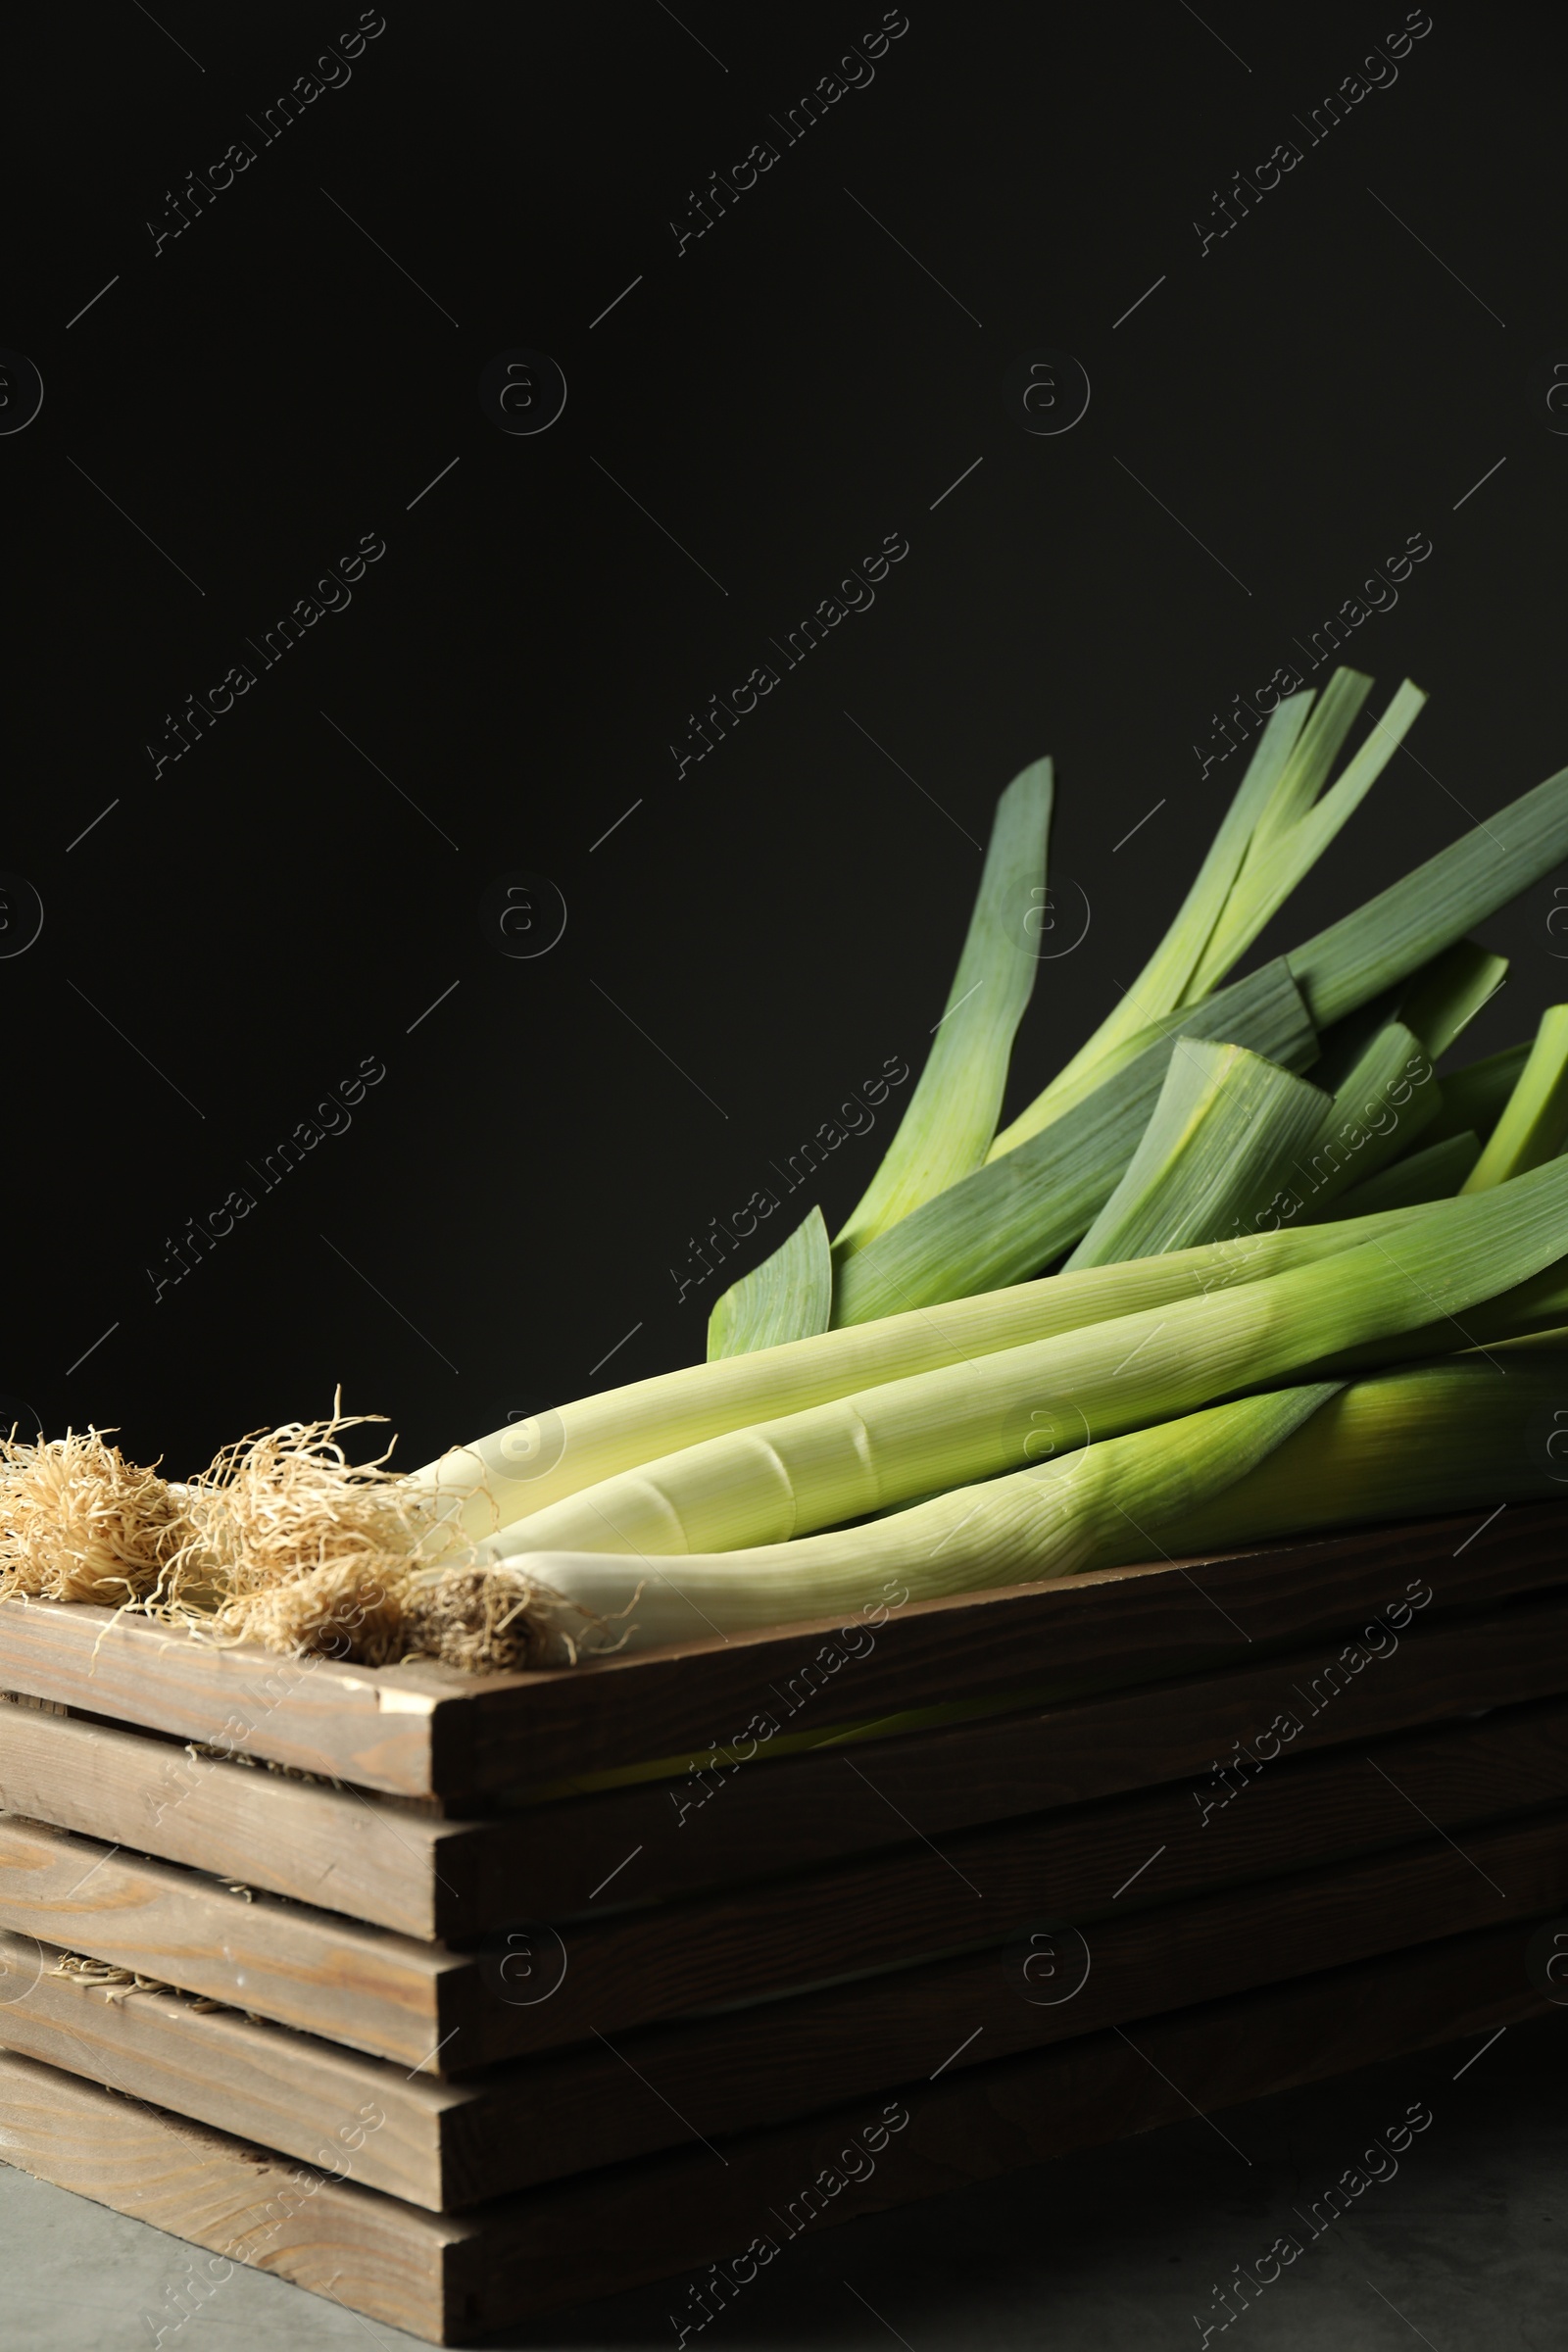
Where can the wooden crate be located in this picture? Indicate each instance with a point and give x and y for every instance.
(454, 2277)
(1178, 1800)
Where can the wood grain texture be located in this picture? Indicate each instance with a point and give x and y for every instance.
(997, 2117)
(353, 1984)
(374, 1857)
(398, 1999)
(385, 2259)
(393, 1863)
(421, 1728)
(451, 2280)
(349, 1722)
(974, 1887)
(291, 2092)
(449, 2145)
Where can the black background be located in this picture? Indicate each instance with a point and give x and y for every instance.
(231, 939)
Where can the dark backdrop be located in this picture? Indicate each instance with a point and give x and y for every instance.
(229, 935)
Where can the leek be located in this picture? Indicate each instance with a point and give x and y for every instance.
(952, 1116)
(1027, 1528)
(531, 1464)
(1473, 1096)
(1427, 1439)
(1439, 1002)
(789, 1475)
(1521, 1312)
(1378, 1111)
(986, 1231)
(788, 1297)
(1297, 826)
(1160, 987)
(1409, 923)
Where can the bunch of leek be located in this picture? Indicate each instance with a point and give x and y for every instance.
(1264, 1191)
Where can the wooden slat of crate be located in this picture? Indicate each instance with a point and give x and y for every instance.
(744, 2068)
(348, 1722)
(455, 2144)
(716, 1829)
(398, 1999)
(293, 2092)
(452, 2280)
(421, 1728)
(377, 1858)
(385, 1861)
(369, 2253)
(356, 1984)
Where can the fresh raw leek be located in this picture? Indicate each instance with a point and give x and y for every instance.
(986, 1231)
(1296, 825)
(1456, 1435)
(1162, 987)
(1038, 1524)
(789, 1475)
(1438, 1002)
(1405, 925)
(1473, 1096)
(1441, 1001)
(1523, 1311)
(1015, 1214)
(1378, 1110)
(952, 1114)
(903, 1412)
(788, 1297)
(531, 1464)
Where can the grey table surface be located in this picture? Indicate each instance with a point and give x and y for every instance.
(1462, 2245)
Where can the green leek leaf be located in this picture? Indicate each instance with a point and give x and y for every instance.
(1275, 830)
(1226, 1126)
(1407, 924)
(1016, 1213)
(1434, 1173)
(1163, 984)
(1474, 1095)
(952, 1116)
(1439, 1002)
(1432, 1438)
(788, 1297)
(1533, 1123)
(1294, 834)
(1379, 1110)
